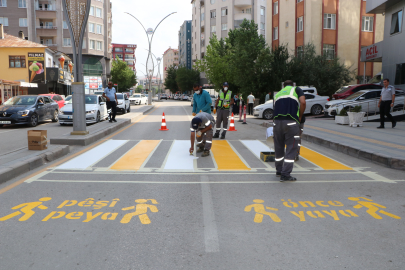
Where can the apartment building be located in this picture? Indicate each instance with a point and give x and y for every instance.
(217, 17)
(125, 52)
(170, 58)
(185, 44)
(43, 21)
(336, 27)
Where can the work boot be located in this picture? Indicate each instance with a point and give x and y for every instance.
(216, 135)
(200, 148)
(206, 153)
(223, 134)
(278, 174)
(284, 178)
(297, 158)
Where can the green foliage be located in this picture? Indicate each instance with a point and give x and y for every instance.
(342, 112)
(139, 89)
(122, 75)
(356, 109)
(185, 78)
(170, 80)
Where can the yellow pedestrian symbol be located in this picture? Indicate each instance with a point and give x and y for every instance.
(260, 211)
(140, 210)
(26, 208)
(372, 207)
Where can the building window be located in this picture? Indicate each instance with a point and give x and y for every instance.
(298, 1)
(367, 24)
(99, 45)
(99, 29)
(118, 49)
(261, 26)
(300, 24)
(329, 21)
(275, 33)
(202, 17)
(224, 27)
(91, 27)
(275, 8)
(4, 21)
(84, 44)
(92, 44)
(396, 22)
(400, 74)
(3, 3)
(224, 12)
(212, 2)
(91, 11)
(16, 61)
(329, 51)
(22, 3)
(262, 11)
(98, 12)
(213, 29)
(300, 51)
(213, 14)
(247, 11)
(65, 26)
(23, 22)
(67, 42)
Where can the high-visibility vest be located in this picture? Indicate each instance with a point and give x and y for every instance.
(224, 99)
(287, 103)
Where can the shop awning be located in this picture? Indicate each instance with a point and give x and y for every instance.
(27, 84)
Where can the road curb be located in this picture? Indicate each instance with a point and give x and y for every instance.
(377, 158)
(9, 171)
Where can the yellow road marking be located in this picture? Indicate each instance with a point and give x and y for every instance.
(226, 158)
(19, 182)
(135, 157)
(322, 161)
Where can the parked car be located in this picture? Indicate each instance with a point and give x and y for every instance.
(368, 99)
(68, 98)
(96, 110)
(138, 99)
(309, 89)
(346, 91)
(185, 97)
(57, 98)
(163, 96)
(315, 106)
(30, 110)
(127, 93)
(98, 93)
(123, 104)
(176, 97)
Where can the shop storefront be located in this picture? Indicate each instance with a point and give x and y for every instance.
(9, 89)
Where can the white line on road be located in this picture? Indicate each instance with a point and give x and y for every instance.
(210, 226)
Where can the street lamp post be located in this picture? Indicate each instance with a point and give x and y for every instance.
(77, 14)
(158, 60)
(151, 32)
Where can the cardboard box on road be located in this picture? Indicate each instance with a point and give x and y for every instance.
(37, 139)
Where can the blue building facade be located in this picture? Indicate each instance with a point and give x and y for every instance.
(185, 44)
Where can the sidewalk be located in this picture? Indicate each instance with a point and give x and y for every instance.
(19, 162)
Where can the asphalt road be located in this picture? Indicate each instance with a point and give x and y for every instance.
(138, 200)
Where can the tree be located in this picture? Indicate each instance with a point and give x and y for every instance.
(122, 75)
(185, 78)
(170, 80)
(139, 89)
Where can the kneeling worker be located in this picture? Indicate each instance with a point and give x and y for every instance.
(288, 112)
(202, 124)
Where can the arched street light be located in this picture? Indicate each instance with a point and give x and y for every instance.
(158, 60)
(150, 32)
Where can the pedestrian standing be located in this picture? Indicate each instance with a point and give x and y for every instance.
(251, 100)
(224, 101)
(288, 112)
(202, 126)
(386, 102)
(235, 107)
(267, 98)
(201, 100)
(111, 95)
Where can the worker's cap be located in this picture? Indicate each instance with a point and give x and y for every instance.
(195, 123)
(196, 85)
(225, 84)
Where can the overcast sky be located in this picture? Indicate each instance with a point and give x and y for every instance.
(127, 30)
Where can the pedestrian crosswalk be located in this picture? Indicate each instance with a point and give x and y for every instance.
(173, 156)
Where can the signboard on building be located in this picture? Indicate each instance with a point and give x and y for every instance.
(36, 67)
(372, 53)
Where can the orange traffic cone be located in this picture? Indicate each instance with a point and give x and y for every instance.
(163, 126)
(232, 124)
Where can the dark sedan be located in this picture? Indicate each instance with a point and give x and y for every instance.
(29, 110)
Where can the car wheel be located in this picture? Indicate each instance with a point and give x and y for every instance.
(55, 116)
(316, 109)
(33, 120)
(125, 110)
(268, 114)
(61, 124)
(129, 108)
(98, 117)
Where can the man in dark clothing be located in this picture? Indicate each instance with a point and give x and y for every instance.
(386, 102)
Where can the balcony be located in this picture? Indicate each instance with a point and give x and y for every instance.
(202, 43)
(241, 16)
(45, 8)
(41, 14)
(129, 58)
(243, 3)
(48, 31)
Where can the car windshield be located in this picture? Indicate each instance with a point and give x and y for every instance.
(21, 101)
(120, 96)
(90, 99)
(68, 98)
(136, 96)
(342, 90)
(355, 95)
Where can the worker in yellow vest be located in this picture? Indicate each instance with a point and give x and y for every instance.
(223, 103)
